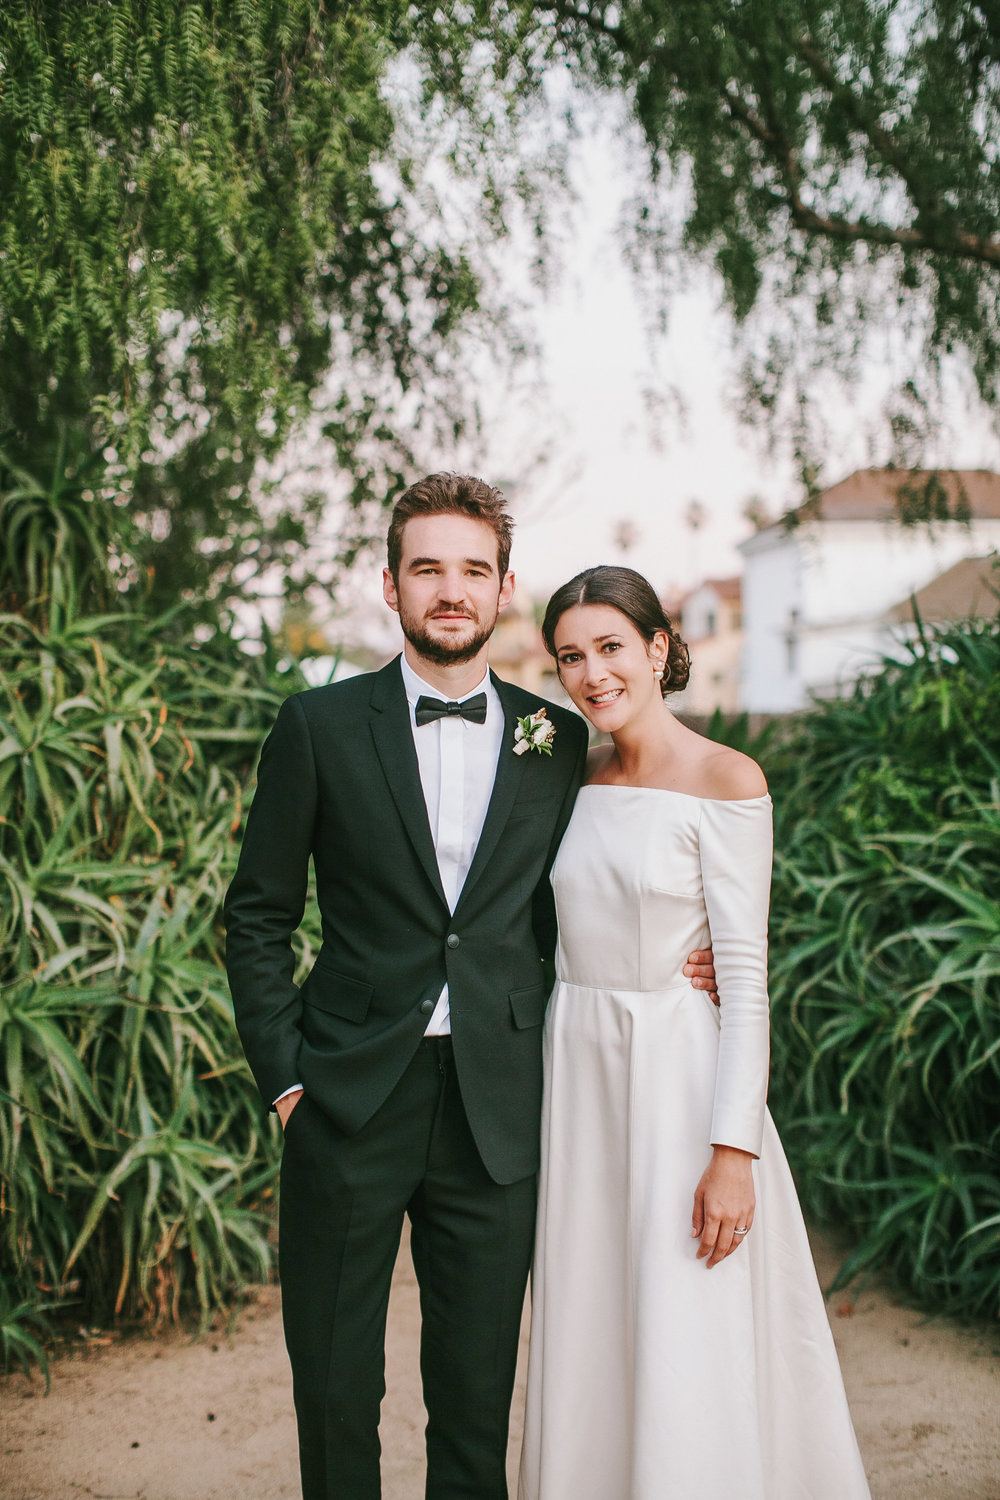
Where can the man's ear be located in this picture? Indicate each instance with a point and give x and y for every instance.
(389, 593)
(506, 591)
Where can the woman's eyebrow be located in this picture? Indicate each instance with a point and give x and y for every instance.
(569, 646)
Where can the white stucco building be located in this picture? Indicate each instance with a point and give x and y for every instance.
(823, 587)
(711, 624)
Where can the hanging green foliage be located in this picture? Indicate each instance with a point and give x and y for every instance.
(833, 161)
(211, 228)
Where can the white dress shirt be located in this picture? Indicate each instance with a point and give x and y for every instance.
(458, 762)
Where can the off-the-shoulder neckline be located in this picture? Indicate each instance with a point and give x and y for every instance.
(666, 791)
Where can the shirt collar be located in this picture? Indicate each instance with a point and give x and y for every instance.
(416, 686)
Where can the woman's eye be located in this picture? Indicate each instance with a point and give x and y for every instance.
(612, 645)
(568, 659)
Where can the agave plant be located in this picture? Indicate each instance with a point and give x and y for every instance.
(886, 967)
(136, 1168)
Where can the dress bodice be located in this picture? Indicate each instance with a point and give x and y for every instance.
(635, 873)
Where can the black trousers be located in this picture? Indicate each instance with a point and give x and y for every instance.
(341, 1216)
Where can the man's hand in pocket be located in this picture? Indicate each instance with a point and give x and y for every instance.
(286, 1105)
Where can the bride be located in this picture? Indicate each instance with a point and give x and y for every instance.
(679, 1341)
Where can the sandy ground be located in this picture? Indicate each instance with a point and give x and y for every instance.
(172, 1419)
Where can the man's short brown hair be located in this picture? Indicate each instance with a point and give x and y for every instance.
(451, 494)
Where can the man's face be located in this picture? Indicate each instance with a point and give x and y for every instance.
(449, 591)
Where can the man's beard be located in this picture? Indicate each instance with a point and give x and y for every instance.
(440, 652)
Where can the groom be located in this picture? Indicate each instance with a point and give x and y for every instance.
(407, 1066)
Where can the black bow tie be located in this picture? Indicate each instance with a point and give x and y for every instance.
(473, 709)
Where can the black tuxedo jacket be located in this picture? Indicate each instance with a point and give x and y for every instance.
(338, 779)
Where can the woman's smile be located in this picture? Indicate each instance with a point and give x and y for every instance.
(602, 699)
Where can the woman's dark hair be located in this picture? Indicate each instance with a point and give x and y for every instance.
(626, 590)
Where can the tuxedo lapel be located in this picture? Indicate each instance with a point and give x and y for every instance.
(510, 768)
(393, 736)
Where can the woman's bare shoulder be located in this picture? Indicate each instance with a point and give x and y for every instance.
(731, 776)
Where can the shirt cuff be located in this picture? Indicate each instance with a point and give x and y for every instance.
(285, 1092)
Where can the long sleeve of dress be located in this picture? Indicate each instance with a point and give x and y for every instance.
(735, 840)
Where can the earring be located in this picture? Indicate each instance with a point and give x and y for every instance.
(658, 673)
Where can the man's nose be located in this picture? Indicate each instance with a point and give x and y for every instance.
(453, 591)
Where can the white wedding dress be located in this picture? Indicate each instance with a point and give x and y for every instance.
(650, 1376)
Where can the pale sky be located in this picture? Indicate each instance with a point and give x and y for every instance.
(606, 464)
(596, 357)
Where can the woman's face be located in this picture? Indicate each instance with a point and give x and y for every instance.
(606, 666)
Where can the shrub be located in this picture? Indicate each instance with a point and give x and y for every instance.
(885, 960)
(135, 1168)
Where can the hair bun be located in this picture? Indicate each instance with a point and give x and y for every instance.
(675, 678)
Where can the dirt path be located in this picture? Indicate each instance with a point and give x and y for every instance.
(176, 1420)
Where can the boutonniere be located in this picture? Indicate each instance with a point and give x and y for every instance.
(534, 732)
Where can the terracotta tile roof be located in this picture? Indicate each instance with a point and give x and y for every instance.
(726, 588)
(968, 588)
(876, 495)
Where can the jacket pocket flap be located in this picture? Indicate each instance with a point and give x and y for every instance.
(337, 994)
(535, 807)
(527, 1006)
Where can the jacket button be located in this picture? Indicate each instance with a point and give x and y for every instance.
(427, 1006)
(453, 940)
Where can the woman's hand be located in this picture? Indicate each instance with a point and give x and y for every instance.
(724, 1200)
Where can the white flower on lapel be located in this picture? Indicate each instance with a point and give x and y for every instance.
(534, 732)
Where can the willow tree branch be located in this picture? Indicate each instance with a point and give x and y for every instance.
(882, 141)
(932, 236)
(768, 133)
